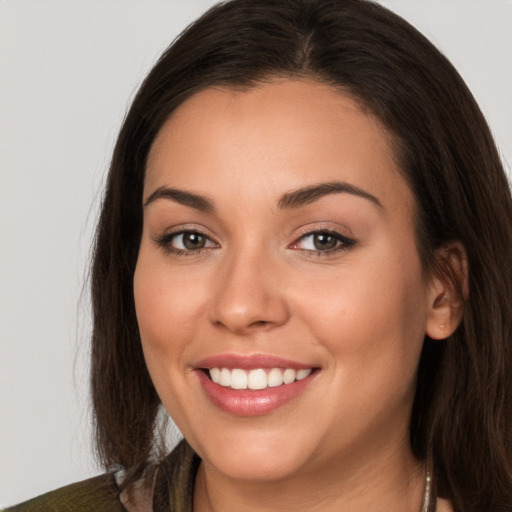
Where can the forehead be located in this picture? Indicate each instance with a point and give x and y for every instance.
(284, 133)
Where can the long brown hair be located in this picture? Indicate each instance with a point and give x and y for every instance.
(462, 412)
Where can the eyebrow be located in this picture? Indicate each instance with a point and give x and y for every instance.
(293, 199)
(201, 203)
(308, 195)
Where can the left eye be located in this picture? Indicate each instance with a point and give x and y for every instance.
(189, 241)
(323, 241)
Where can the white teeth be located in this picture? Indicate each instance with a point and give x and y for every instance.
(225, 377)
(289, 375)
(238, 379)
(215, 375)
(274, 377)
(256, 379)
(302, 374)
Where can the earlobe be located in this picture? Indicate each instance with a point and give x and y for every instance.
(444, 316)
(448, 290)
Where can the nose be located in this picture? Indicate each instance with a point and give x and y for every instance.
(248, 295)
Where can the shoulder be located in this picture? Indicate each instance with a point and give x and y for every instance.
(99, 494)
(173, 486)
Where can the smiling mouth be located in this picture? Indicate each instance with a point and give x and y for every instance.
(253, 385)
(256, 379)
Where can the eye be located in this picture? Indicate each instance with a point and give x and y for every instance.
(189, 241)
(323, 241)
(186, 241)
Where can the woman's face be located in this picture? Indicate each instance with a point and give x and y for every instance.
(279, 244)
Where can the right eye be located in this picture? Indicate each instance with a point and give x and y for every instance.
(186, 242)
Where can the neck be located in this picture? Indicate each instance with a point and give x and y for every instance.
(372, 482)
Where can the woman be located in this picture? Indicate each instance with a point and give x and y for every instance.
(303, 256)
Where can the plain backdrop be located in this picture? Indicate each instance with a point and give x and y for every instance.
(68, 69)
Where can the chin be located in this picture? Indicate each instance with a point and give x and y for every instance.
(250, 455)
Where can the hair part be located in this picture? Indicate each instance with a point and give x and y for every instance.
(462, 412)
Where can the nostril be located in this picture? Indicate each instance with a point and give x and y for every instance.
(260, 323)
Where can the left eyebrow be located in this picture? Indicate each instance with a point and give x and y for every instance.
(308, 195)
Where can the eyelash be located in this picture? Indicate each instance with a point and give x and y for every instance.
(166, 241)
(343, 243)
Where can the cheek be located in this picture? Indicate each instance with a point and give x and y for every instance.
(370, 316)
(168, 305)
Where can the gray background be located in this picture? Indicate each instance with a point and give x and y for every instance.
(68, 69)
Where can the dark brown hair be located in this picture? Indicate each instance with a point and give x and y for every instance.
(462, 412)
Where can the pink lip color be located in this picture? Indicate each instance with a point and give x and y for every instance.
(248, 402)
(249, 362)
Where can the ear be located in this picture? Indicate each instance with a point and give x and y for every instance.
(448, 290)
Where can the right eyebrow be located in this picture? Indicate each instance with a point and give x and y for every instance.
(201, 203)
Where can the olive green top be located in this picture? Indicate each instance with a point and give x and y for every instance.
(173, 491)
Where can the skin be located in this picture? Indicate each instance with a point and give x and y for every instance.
(260, 286)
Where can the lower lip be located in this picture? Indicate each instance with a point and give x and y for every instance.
(245, 402)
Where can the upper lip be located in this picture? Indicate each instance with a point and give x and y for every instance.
(249, 362)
